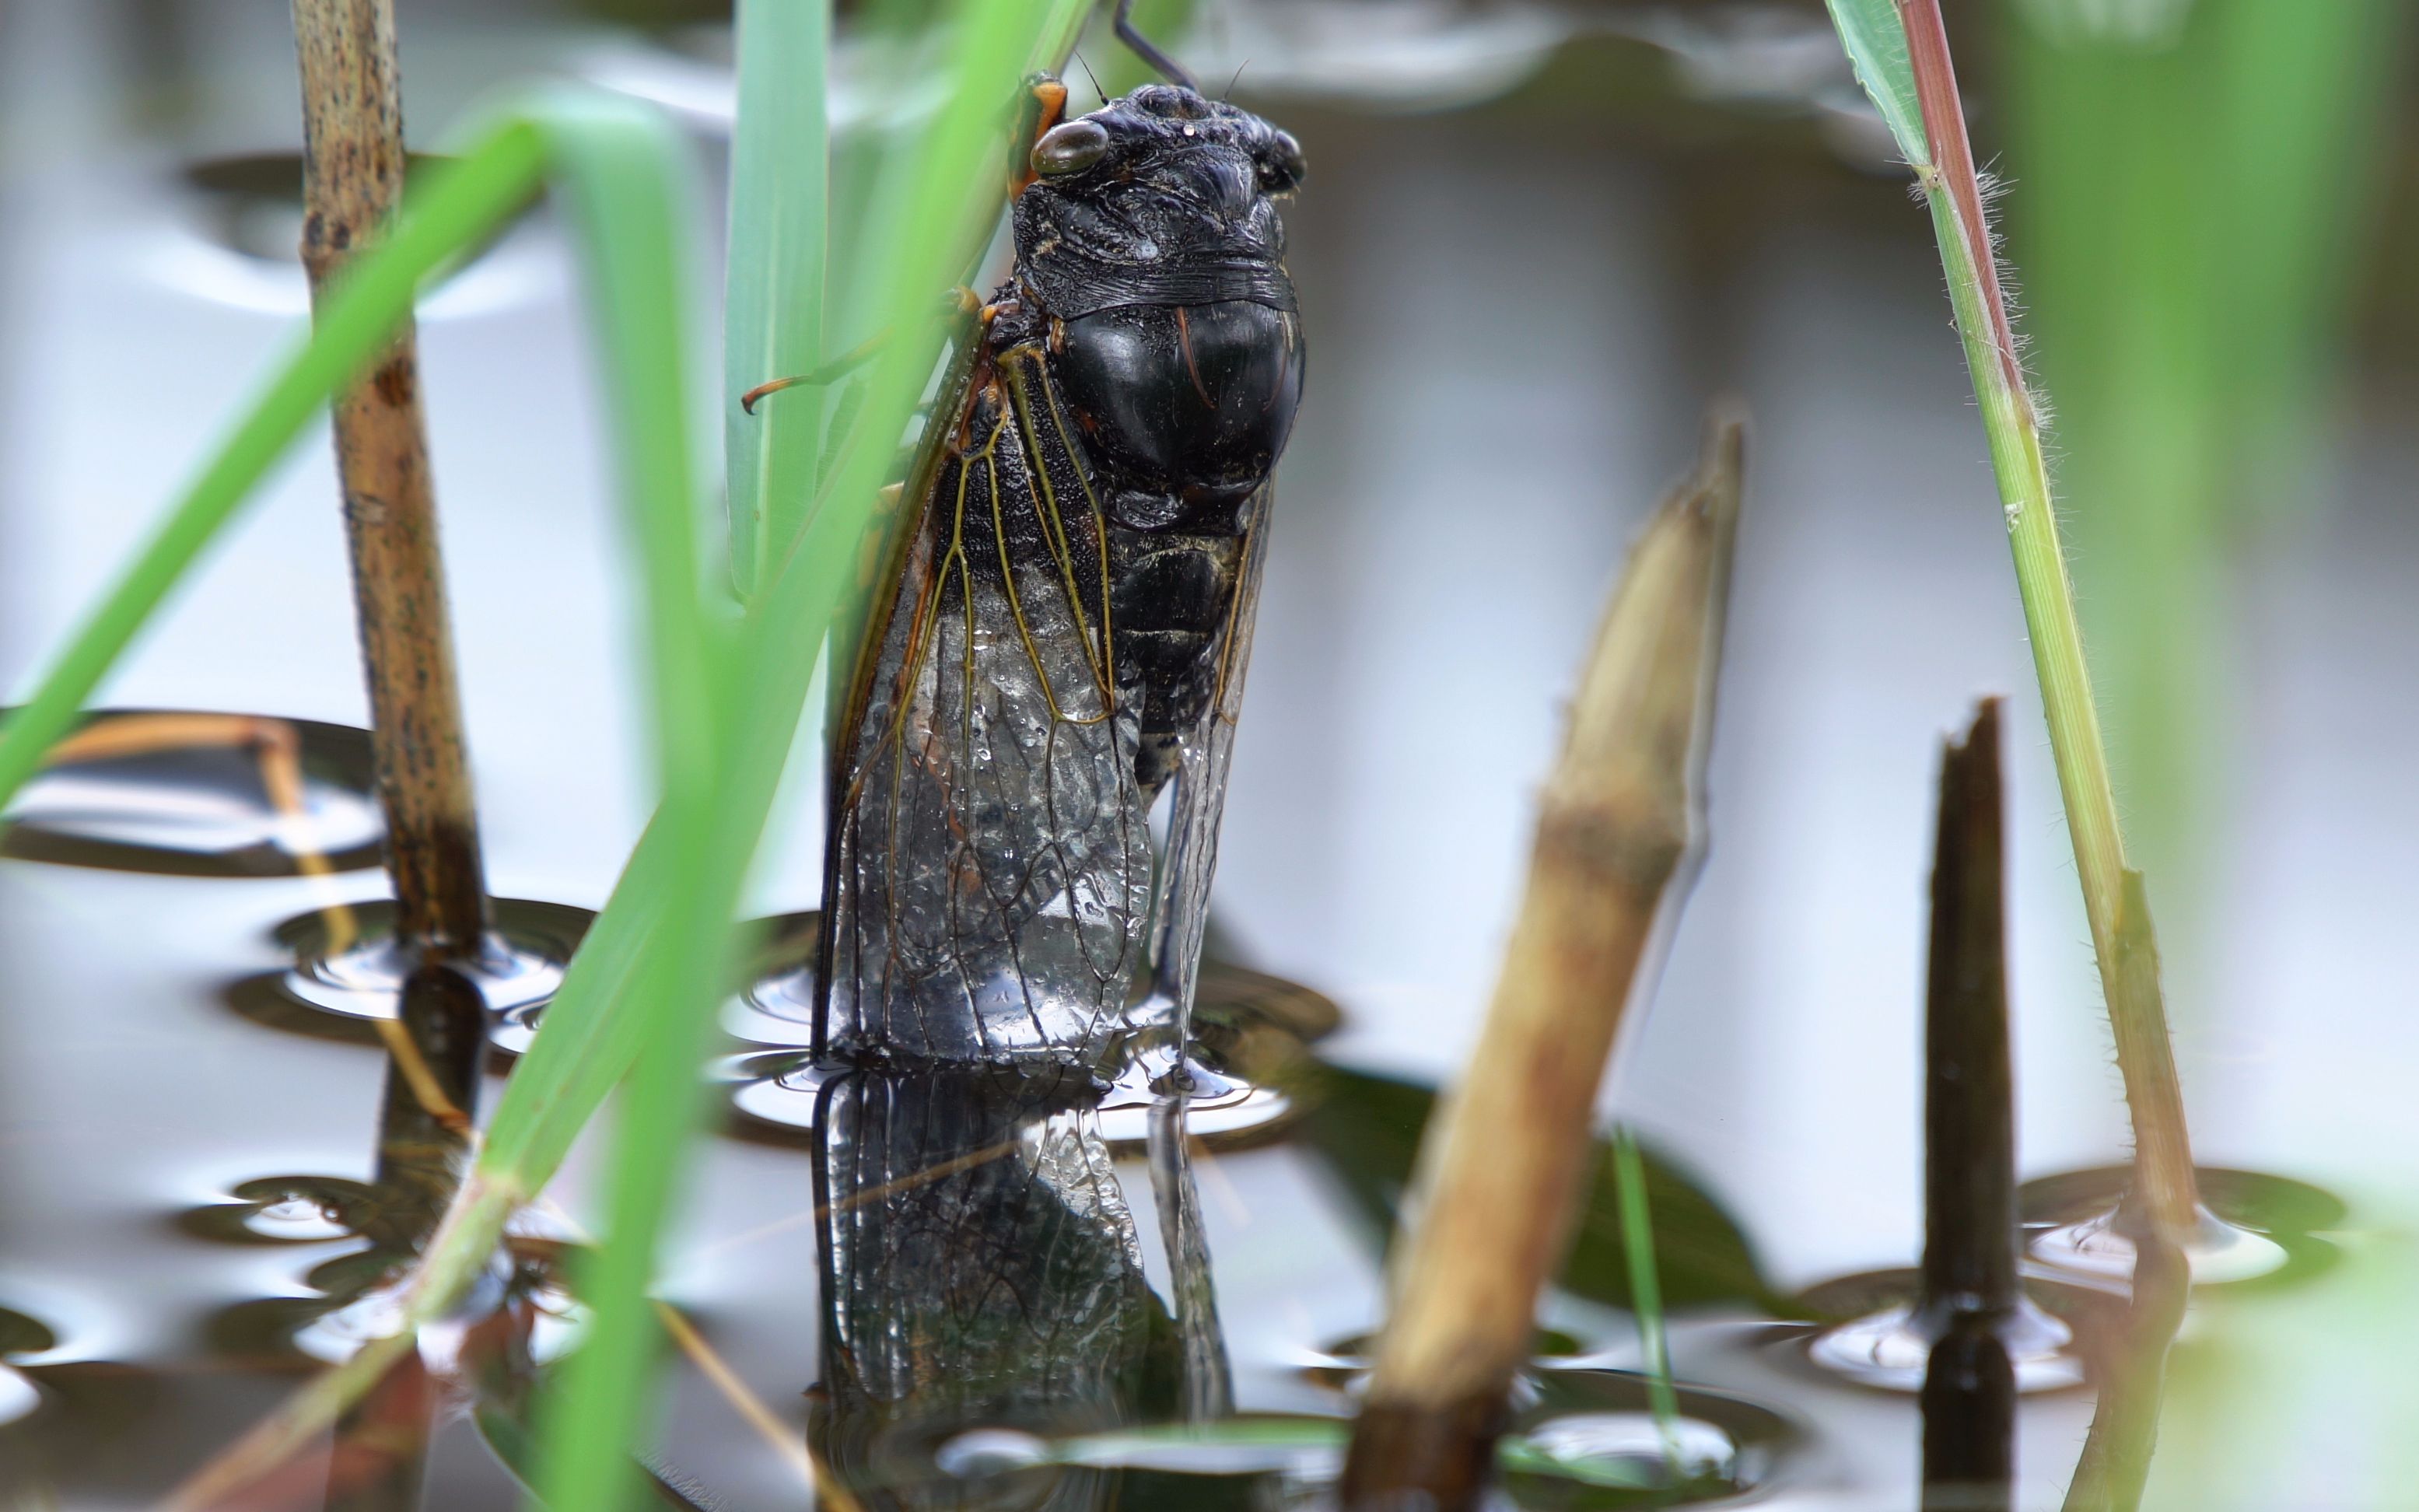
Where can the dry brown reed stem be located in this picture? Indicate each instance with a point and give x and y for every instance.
(1970, 1288)
(1501, 1165)
(352, 176)
(1969, 1145)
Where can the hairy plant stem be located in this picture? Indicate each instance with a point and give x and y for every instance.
(2137, 1014)
(353, 163)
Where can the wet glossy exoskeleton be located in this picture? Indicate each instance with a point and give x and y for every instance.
(1067, 631)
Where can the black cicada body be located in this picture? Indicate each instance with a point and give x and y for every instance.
(1069, 625)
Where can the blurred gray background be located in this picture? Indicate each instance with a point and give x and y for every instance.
(1535, 242)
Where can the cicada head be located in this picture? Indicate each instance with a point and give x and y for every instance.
(1157, 198)
(1150, 237)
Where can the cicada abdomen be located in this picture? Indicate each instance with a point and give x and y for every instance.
(1068, 630)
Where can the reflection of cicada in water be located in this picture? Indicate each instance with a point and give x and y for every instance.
(1072, 605)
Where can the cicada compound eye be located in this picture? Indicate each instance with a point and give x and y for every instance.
(1280, 164)
(1071, 147)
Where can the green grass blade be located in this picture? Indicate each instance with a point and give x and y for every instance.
(621, 168)
(643, 984)
(773, 311)
(1876, 45)
(462, 205)
(619, 165)
(592, 1428)
(926, 241)
(654, 958)
(649, 970)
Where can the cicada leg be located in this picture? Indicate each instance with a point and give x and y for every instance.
(1045, 106)
(846, 362)
(1146, 50)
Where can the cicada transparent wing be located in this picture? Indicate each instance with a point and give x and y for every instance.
(1202, 754)
(991, 865)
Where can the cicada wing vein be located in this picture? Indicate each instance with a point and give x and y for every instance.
(989, 860)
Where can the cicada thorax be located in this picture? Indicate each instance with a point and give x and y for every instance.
(1069, 620)
(1183, 409)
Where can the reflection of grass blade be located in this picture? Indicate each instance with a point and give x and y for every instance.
(278, 1438)
(2115, 1464)
(1944, 164)
(464, 201)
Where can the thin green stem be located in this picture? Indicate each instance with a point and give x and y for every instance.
(1646, 1294)
(2137, 1014)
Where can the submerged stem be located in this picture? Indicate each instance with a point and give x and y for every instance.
(1970, 1291)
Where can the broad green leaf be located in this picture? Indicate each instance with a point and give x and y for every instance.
(1367, 1128)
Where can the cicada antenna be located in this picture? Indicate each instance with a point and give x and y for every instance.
(1145, 49)
(1094, 77)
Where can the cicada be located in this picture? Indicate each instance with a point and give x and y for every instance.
(1065, 635)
